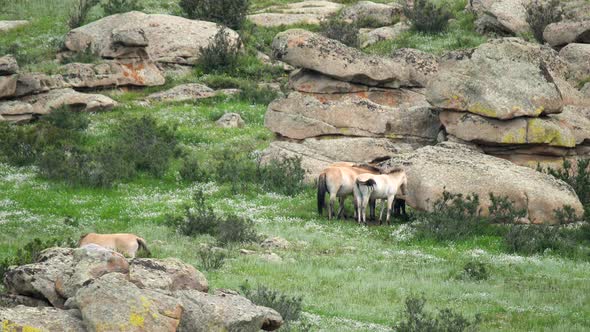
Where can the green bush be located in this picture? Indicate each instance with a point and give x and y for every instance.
(111, 7)
(426, 16)
(541, 13)
(235, 229)
(345, 32)
(578, 178)
(566, 215)
(210, 259)
(235, 168)
(221, 55)
(289, 307)
(231, 13)
(416, 319)
(536, 239)
(80, 11)
(475, 271)
(17, 144)
(192, 170)
(502, 210)
(284, 176)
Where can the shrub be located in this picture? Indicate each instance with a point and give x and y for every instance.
(191, 170)
(541, 13)
(80, 11)
(211, 259)
(289, 307)
(345, 32)
(502, 210)
(536, 239)
(475, 271)
(416, 319)
(17, 144)
(566, 215)
(231, 13)
(111, 7)
(578, 178)
(284, 176)
(235, 168)
(221, 55)
(234, 229)
(197, 219)
(426, 16)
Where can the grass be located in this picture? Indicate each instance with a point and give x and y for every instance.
(351, 278)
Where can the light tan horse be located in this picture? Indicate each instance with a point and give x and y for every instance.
(126, 244)
(378, 186)
(338, 180)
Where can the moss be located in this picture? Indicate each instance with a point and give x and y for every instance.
(539, 132)
(515, 137)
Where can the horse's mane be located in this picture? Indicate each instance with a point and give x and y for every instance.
(368, 167)
(396, 169)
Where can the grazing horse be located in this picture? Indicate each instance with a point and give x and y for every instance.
(338, 180)
(378, 186)
(126, 244)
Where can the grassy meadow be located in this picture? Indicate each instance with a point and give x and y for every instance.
(351, 278)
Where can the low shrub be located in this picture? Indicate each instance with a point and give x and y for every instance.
(231, 13)
(17, 144)
(192, 170)
(289, 307)
(416, 319)
(536, 239)
(235, 168)
(235, 229)
(210, 259)
(426, 16)
(502, 210)
(221, 55)
(111, 7)
(578, 178)
(566, 215)
(79, 13)
(541, 13)
(284, 176)
(345, 32)
(475, 271)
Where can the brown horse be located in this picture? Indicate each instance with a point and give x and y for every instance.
(338, 180)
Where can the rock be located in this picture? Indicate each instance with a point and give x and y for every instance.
(317, 154)
(423, 66)
(271, 257)
(23, 318)
(247, 252)
(89, 263)
(171, 39)
(502, 79)
(224, 312)
(15, 107)
(301, 48)
(8, 65)
(500, 16)
(230, 120)
(275, 243)
(310, 81)
(302, 116)
(305, 12)
(9, 25)
(168, 274)
(111, 303)
(377, 13)
(8, 86)
(576, 10)
(265, 59)
(38, 279)
(123, 72)
(566, 32)
(586, 90)
(372, 36)
(79, 102)
(577, 57)
(13, 300)
(460, 169)
(184, 92)
(567, 129)
(33, 83)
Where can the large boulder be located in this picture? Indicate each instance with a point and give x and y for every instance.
(577, 57)
(501, 79)
(422, 66)
(300, 116)
(8, 65)
(9, 25)
(169, 39)
(304, 80)
(31, 319)
(305, 12)
(137, 72)
(317, 153)
(112, 303)
(371, 36)
(8, 86)
(500, 16)
(34, 83)
(566, 32)
(301, 48)
(168, 274)
(38, 280)
(80, 102)
(458, 168)
(378, 14)
(224, 312)
(184, 92)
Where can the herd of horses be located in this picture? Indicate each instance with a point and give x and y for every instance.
(367, 184)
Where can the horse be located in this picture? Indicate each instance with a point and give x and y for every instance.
(126, 244)
(378, 186)
(338, 180)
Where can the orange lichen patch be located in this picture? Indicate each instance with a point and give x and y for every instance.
(297, 42)
(132, 71)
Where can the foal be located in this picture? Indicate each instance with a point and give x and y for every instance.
(378, 186)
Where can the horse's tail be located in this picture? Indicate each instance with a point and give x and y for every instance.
(322, 189)
(370, 184)
(82, 238)
(143, 245)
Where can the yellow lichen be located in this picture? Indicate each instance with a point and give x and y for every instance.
(136, 319)
(539, 132)
(8, 326)
(515, 137)
(478, 108)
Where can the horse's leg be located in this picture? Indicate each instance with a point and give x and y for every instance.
(372, 205)
(383, 203)
(389, 204)
(341, 207)
(331, 206)
(364, 209)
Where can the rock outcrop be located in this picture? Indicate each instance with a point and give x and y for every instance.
(500, 16)
(378, 14)
(458, 168)
(9, 25)
(305, 12)
(96, 289)
(577, 57)
(566, 32)
(371, 36)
